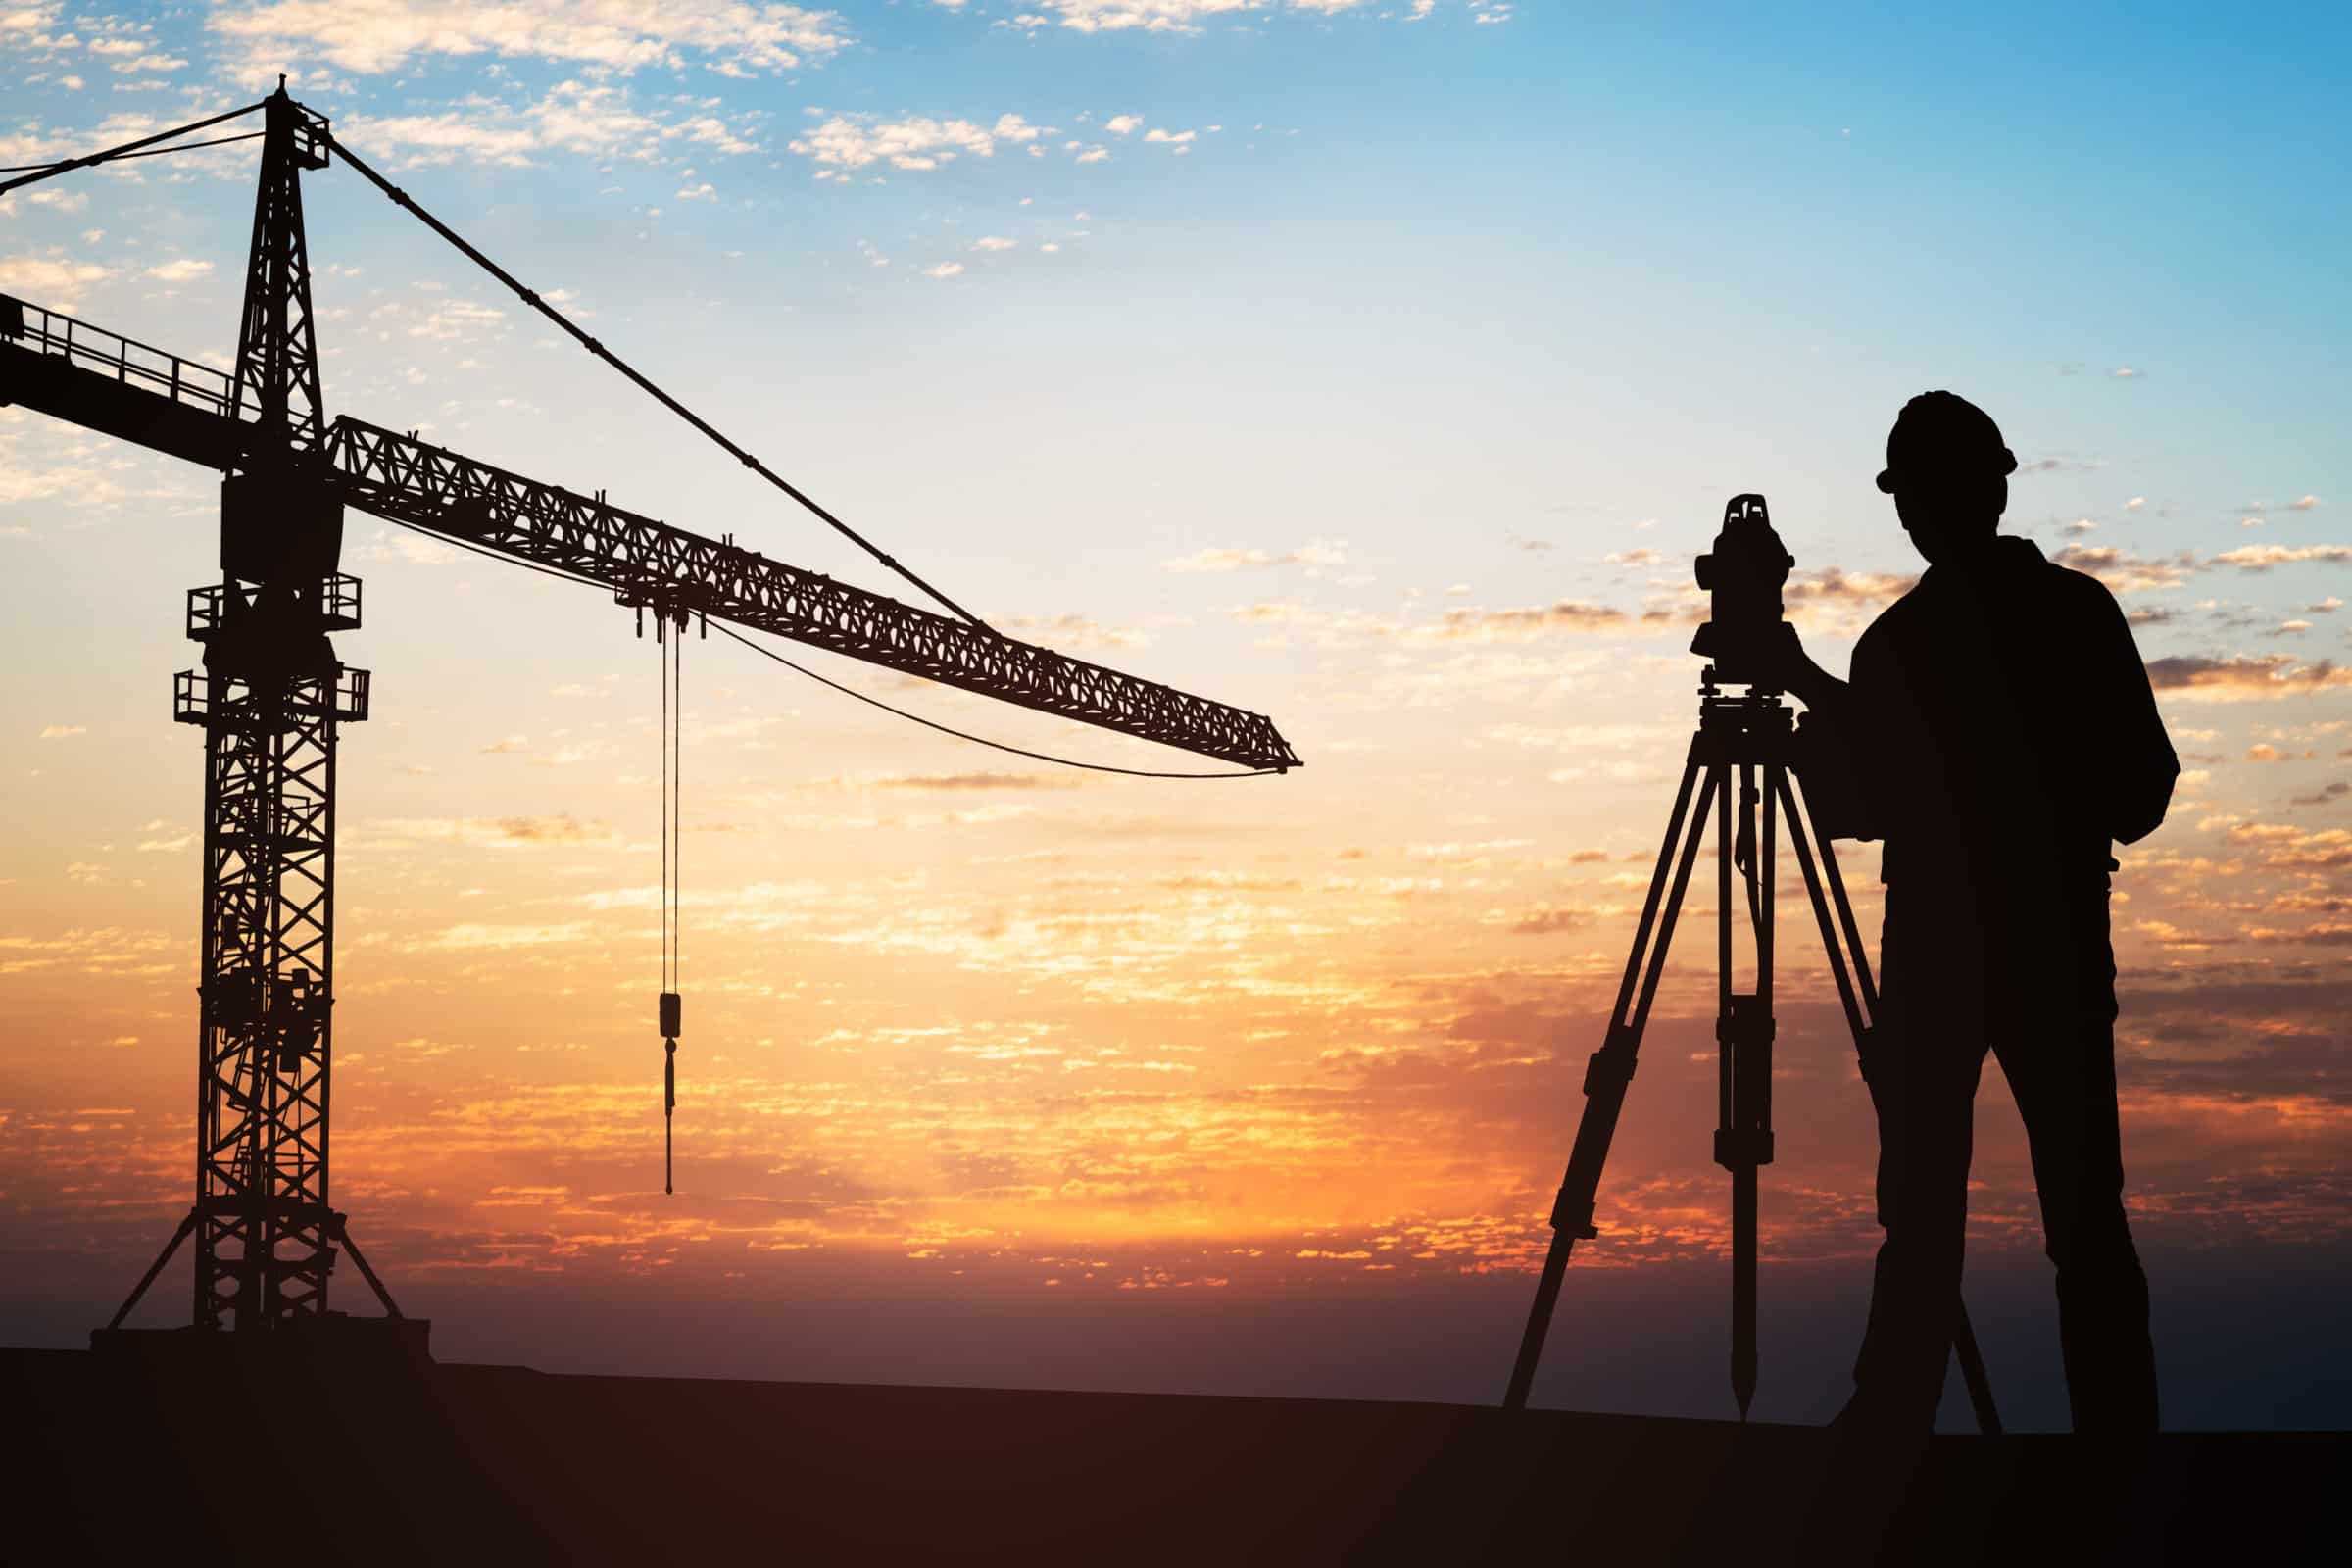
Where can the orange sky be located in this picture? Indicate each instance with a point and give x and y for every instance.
(1400, 427)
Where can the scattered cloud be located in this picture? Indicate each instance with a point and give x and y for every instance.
(1545, 919)
(1320, 552)
(492, 832)
(2245, 677)
(2123, 572)
(919, 142)
(1518, 625)
(1191, 16)
(2262, 557)
(371, 37)
(50, 278)
(603, 120)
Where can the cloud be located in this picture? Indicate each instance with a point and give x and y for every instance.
(2262, 557)
(1468, 624)
(2244, 678)
(493, 832)
(182, 270)
(490, 938)
(1185, 16)
(1123, 125)
(1320, 552)
(59, 732)
(370, 36)
(1833, 585)
(1074, 631)
(976, 780)
(2284, 847)
(994, 242)
(50, 278)
(1149, 16)
(2124, 572)
(573, 117)
(945, 270)
(2303, 504)
(50, 196)
(917, 142)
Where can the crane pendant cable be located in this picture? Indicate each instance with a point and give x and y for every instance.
(531, 297)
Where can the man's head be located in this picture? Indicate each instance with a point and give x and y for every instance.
(1948, 473)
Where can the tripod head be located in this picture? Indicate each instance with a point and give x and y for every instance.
(1744, 576)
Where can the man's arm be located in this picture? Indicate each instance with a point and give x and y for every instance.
(1827, 755)
(2141, 760)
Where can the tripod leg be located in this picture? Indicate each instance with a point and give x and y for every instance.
(1743, 1035)
(1964, 1334)
(1611, 1067)
(1972, 1372)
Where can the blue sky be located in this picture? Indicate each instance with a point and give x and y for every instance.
(1377, 371)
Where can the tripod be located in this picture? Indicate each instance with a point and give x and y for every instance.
(1746, 736)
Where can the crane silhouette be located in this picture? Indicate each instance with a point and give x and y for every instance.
(272, 695)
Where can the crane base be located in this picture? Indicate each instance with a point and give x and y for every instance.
(330, 1342)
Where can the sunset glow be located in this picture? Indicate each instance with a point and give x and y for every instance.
(1379, 369)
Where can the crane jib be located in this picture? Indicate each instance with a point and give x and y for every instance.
(107, 382)
(406, 481)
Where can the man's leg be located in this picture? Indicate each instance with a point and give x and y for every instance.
(2060, 1062)
(1925, 1056)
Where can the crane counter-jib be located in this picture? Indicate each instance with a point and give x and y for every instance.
(103, 381)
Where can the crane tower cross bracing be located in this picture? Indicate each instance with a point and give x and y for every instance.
(271, 696)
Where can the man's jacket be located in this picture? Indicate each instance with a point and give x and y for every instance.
(1998, 734)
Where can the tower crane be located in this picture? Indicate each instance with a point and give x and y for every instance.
(272, 695)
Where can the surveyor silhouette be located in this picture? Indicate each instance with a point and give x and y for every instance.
(1998, 734)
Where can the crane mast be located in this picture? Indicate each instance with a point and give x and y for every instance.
(271, 696)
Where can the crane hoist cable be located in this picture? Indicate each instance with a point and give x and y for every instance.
(670, 643)
(530, 297)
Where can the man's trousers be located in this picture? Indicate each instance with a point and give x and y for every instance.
(2037, 987)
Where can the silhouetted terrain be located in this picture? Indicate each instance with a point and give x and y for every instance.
(462, 1463)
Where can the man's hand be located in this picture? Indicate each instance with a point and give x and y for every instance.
(1779, 660)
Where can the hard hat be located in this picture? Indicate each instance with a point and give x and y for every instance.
(1946, 436)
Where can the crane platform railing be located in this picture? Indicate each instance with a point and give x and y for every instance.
(55, 334)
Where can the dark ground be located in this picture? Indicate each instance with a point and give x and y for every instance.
(174, 1458)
